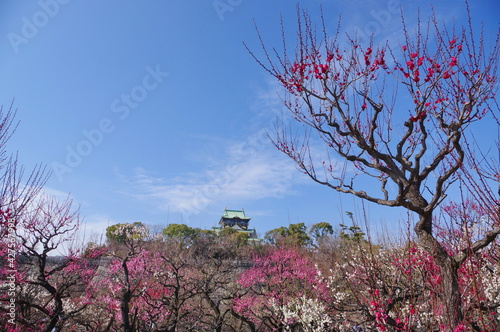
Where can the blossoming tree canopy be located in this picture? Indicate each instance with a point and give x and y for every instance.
(396, 115)
(280, 280)
(122, 232)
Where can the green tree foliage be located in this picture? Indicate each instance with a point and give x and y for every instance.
(294, 234)
(231, 234)
(181, 231)
(274, 235)
(352, 233)
(228, 231)
(320, 230)
(299, 233)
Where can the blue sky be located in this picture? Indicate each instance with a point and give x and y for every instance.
(153, 111)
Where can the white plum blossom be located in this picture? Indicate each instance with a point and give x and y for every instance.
(309, 313)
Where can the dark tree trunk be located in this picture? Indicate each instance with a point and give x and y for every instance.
(125, 311)
(445, 262)
(125, 300)
(448, 271)
(58, 308)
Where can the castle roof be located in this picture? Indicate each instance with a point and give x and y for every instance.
(233, 218)
(235, 214)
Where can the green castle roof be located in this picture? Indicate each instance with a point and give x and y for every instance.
(235, 214)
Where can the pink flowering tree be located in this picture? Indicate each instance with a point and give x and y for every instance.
(445, 80)
(131, 293)
(283, 291)
(126, 278)
(50, 275)
(366, 286)
(380, 289)
(173, 287)
(399, 286)
(217, 263)
(459, 227)
(16, 192)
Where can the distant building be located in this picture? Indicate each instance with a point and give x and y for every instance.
(234, 218)
(237, 220)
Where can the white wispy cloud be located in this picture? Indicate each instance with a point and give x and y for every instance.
(247, 170)
(252, 176)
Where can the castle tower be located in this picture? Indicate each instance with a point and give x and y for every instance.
(237, 220)
(233, 218)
